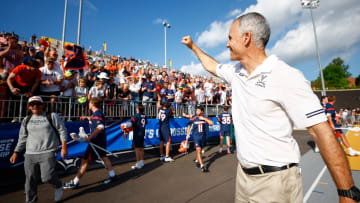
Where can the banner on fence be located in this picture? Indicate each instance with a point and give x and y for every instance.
(114, 134)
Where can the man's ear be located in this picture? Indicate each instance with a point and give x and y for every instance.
(247, 38)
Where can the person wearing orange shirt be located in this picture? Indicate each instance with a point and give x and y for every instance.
(25, 79)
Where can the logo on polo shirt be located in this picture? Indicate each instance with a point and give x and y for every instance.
(261, 82)
(242, 75)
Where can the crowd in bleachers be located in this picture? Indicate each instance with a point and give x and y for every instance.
(348, 116)
(35, 68)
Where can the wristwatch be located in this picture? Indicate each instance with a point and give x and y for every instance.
(353, 193)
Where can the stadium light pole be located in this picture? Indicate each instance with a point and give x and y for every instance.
(64, 28)
(79, 25)
(312, 4)
(166, 25)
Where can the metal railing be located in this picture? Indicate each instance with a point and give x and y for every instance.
(15, 109)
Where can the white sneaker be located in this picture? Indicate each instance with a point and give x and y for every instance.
(138, 165)
(162, 157)
(58, 194)
(220, 151)
(169, 159)
(202, 151)
(352, 152)
(316, 149)
(228, 151)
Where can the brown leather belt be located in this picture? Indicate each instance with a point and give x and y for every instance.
(261, 169)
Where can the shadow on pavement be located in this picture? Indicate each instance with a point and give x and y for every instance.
(121, 178)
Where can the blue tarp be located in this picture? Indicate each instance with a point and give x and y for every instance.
(115, 141)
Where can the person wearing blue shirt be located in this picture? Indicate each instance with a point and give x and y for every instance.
(225, 120)
(331, 114)
(139, 121)
(148, 88)
(98, 137)
(170, 94)
(197, 128)
(165, 134)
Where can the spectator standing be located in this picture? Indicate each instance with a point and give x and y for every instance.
(33, 39)
(248, 37)
(81, 91)
(97, 91)
(172, 76)
(149, 90)
(52, 53)
(208, 85)
(3, 74)
(169, 93)
(100, 67)
(67, 86)
(40, 140)
(25, 79)
(222, 95)
(179, 95)
(31, 54)
(51, 79)
(3, 39)
(112, 91)
(200, 95)
(12, 54)
(209, 97)
(90, 77)
(124, 98)
(135, 87)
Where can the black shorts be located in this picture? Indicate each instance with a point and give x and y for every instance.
(165, 135)
(90, 154)
(138, 141)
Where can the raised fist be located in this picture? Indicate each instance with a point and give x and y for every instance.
(187, 41)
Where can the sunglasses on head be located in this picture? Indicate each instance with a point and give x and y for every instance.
(35, 104)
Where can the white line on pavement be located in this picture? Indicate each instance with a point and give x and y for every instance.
(316, 181)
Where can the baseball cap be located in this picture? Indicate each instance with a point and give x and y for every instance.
(35, 99)
(103, 75)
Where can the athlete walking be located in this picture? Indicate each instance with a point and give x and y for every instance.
(225, 120)
(196, 127)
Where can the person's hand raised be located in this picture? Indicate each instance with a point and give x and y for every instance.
(187, 41)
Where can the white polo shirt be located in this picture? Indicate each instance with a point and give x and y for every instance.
(266, 106)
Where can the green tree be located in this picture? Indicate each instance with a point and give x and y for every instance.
(335, 75)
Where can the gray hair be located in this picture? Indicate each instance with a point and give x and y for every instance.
(256, 24)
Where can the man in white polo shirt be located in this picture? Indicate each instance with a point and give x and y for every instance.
(269, 99)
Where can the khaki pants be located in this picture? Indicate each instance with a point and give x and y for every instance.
(281, 186)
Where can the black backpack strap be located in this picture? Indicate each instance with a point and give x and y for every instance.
(26, 123)
(49, 118)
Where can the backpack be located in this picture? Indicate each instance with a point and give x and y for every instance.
(48, 116)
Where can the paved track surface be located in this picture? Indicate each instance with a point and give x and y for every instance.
(179, 181)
